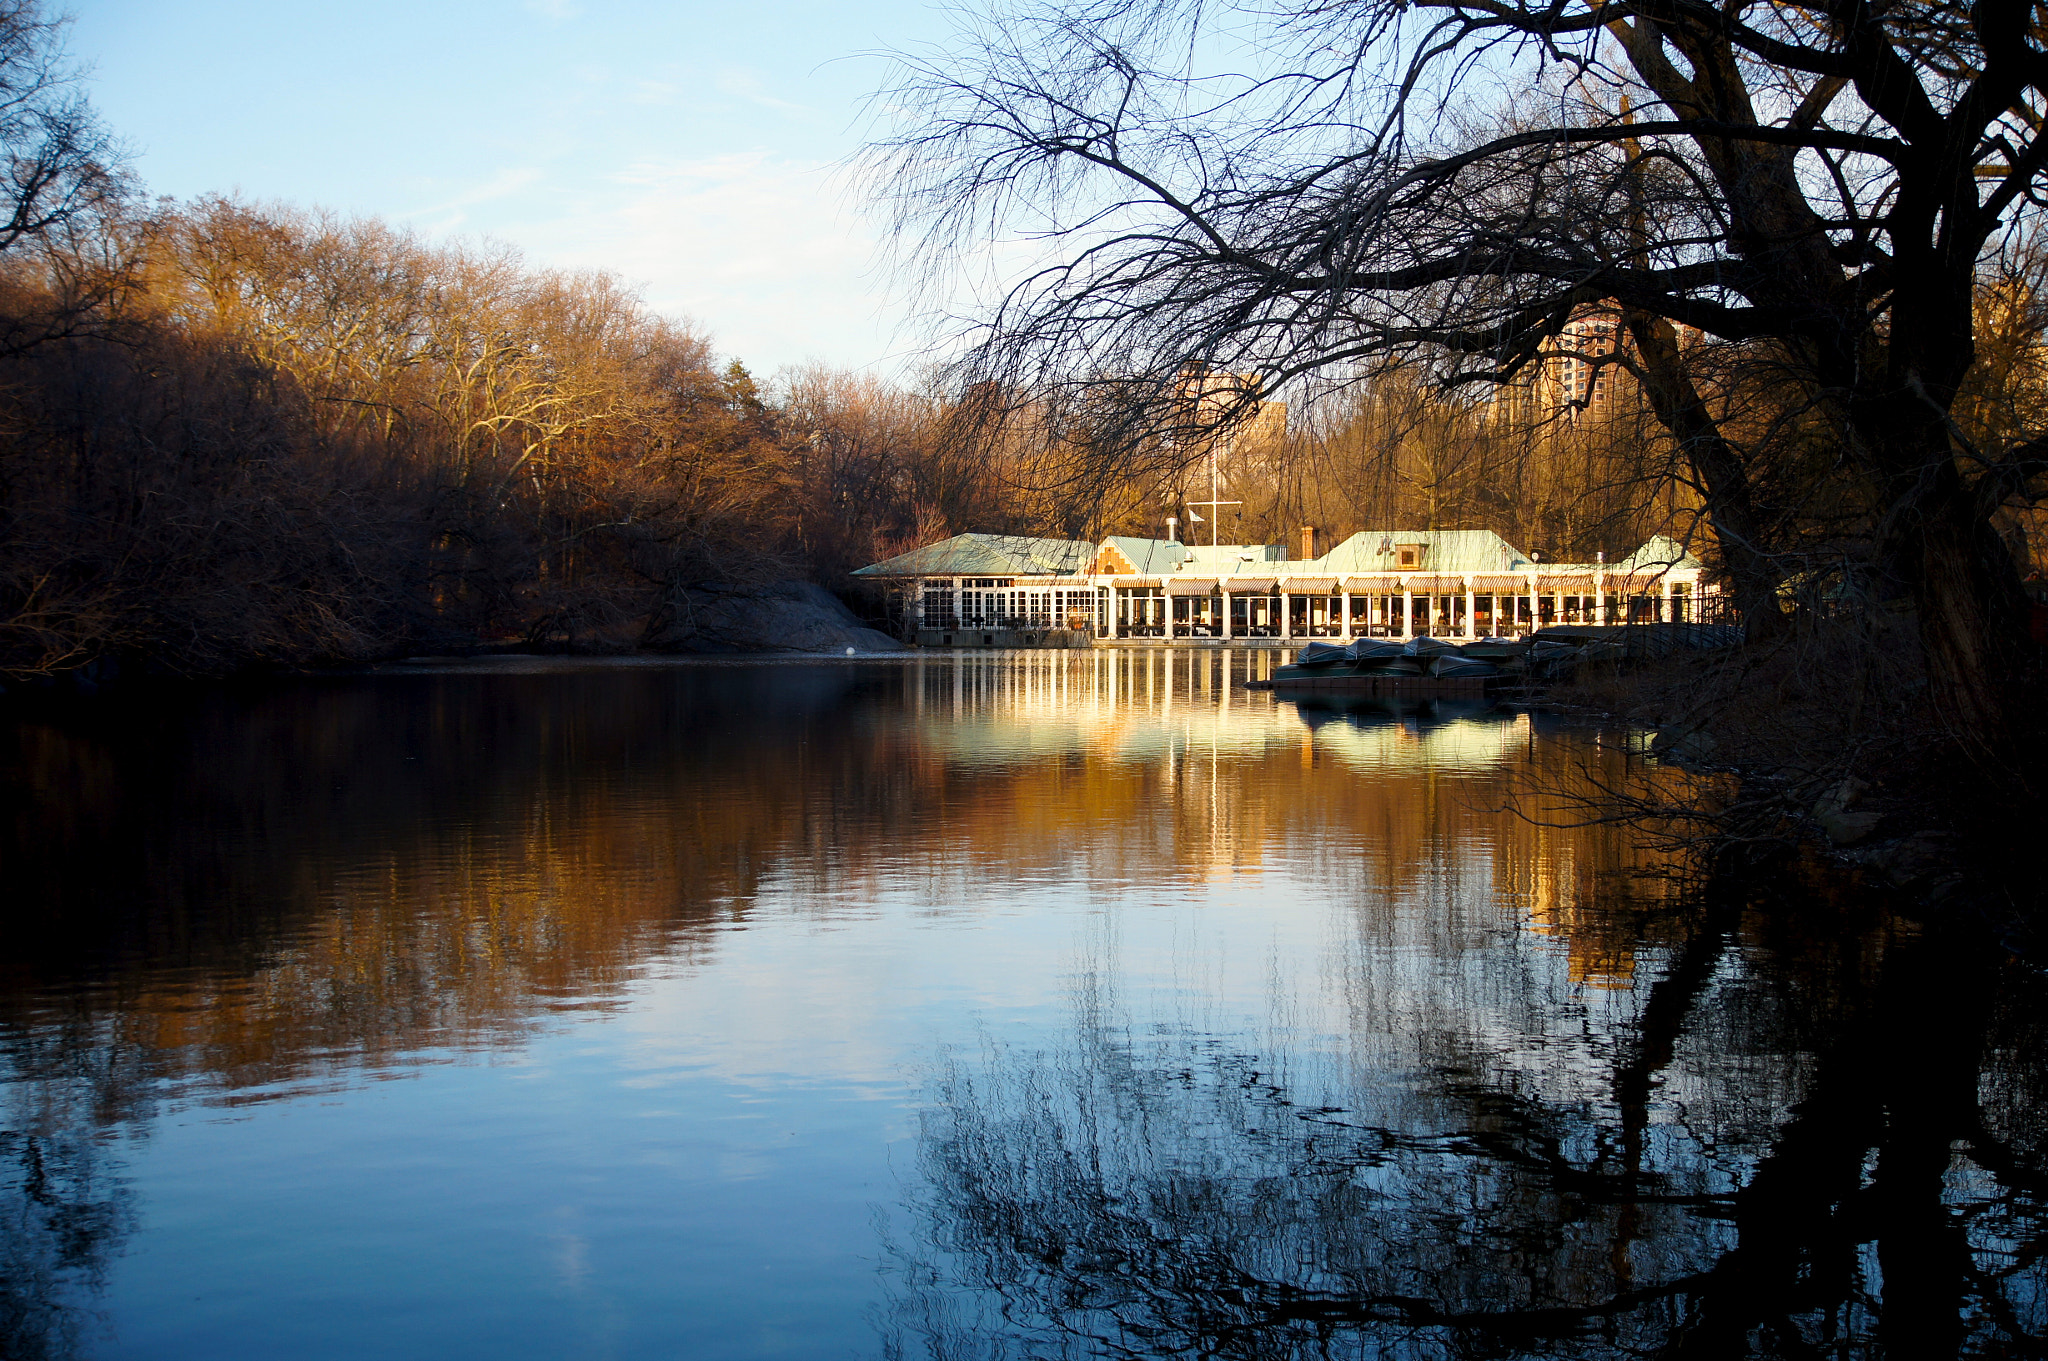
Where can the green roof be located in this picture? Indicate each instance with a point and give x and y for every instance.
(1236, 559)
(987, 555)
(1150, 557)
(1458, 551)
(1660, 554)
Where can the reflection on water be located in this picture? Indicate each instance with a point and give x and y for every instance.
(1155, 1190)
(1107, 1008)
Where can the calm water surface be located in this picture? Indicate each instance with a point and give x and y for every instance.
(1003, 1006)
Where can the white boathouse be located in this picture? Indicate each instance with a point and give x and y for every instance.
(999, 590)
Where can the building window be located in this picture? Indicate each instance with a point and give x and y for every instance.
(1410, 555)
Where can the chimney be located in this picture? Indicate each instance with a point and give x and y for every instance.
(1173, 528)
(1308, 543)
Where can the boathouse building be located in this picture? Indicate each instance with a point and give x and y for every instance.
(1003, 590)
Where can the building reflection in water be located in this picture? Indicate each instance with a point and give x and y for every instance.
(1529, 1093)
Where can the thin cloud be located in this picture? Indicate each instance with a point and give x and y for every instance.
(744, 84)
(752, 246)
(448, 213)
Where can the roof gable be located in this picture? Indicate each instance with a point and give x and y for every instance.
(1660, 553)
(1111, 561)
(1147, 557)
(1446, 550)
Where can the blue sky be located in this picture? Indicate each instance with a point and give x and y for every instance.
(688, 147)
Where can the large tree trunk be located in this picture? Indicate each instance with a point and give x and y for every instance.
(1719, 468)
(1983, 668)
(1984, 671)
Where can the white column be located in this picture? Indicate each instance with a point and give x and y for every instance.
(1347, 608)
(1664, 609)
(1115, 622)
(1286, 617)
(1600, 598)
(1167, 600)
(1407, 611)
(1471, 618)
(1225, 598)
(1535, 619)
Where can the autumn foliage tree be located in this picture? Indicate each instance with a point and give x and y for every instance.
(284, 436)
(304, 437)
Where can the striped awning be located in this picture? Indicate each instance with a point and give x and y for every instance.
(1249, 585)
(1191, 586)
(1309, 585)
(1564, 583)
(1422, 584)
(1496, 584)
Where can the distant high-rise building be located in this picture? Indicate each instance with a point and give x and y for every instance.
(1229, 408)
(1568, 383)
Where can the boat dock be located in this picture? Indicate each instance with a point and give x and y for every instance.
(1425, 667)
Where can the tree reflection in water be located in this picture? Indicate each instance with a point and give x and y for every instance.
(61, 1219)
(1553, 1115)
(1816, 1144)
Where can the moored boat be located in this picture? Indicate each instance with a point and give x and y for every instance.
(1298, 671)
(1550, 661)
(1451, 666)
(1323, 654)
(1369, 662)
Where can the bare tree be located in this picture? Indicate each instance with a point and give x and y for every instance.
(60, 164)
(1298, 188)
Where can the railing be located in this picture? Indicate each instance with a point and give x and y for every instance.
(1035, 620)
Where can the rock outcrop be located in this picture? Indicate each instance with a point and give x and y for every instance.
(780, 616)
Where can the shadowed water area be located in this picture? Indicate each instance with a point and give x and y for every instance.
(1035, 1005)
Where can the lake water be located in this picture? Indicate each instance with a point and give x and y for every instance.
(1006, 1005)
